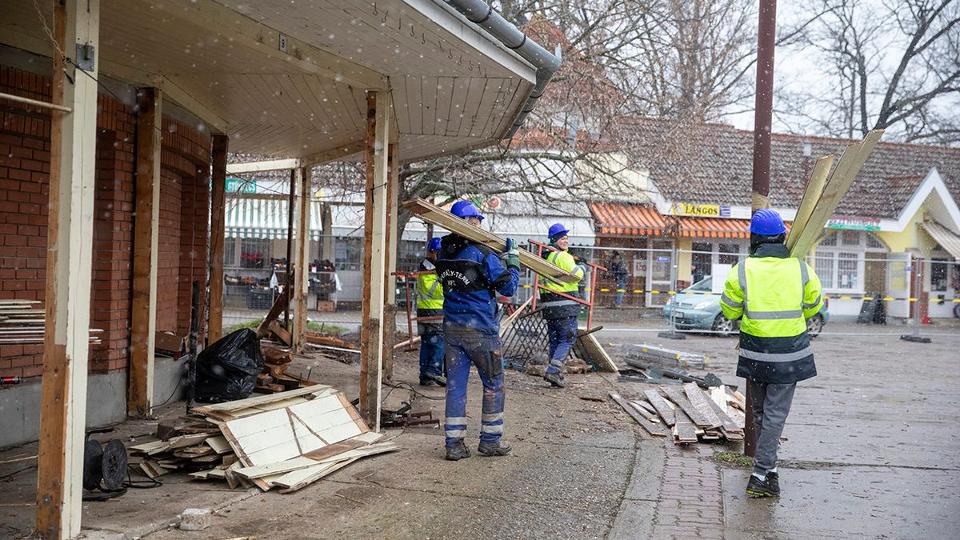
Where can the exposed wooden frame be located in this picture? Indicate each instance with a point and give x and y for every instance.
(371, 331)
(391, 245)
(333, 154)
(146, 236)
(261, 166)
(302, 274)
(218, 190)
(63, 405)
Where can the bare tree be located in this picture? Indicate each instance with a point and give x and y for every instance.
(893, 64)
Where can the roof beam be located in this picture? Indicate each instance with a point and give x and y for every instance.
(333, 154)
(261, 166)
(245, 31)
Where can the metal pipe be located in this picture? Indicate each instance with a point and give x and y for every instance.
(484, 16)
(34, 102)
(763, 116)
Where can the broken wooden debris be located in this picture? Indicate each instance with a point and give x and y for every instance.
(689, 414)
(285, 440)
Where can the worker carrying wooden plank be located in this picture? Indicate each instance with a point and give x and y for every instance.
(472, 275)
(559, 311)
(772, 294)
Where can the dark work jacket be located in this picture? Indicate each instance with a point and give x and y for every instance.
(779, 371)
(471, 275)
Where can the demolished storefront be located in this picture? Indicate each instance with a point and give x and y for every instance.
(116, 121)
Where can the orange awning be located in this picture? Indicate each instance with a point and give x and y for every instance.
(699, 227)
(618, 219)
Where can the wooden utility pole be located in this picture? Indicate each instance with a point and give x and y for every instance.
(146, 235)
(763, 116)
(73, 138)
(217, 231)
(371, 329)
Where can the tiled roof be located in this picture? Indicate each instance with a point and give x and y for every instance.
(713, 164)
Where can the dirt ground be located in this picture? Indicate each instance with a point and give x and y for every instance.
(868, 452)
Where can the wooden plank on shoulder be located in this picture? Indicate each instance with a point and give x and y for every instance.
(438, 216)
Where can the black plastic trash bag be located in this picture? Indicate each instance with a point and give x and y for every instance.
(228, 369)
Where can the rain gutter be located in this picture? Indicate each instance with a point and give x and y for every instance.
(546, 64)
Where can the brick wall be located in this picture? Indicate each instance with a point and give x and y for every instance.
(24, 182)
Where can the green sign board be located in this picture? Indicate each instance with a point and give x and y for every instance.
(854, 223)
(239, 185)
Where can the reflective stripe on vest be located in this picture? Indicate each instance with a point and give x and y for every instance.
(555, 286)
(769, 315)
(429, 295)
(777, 357)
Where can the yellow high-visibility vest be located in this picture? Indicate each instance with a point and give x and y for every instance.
(565, 261)
(429, 291)
(772, 296)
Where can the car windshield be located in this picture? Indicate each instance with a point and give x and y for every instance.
(704, 285)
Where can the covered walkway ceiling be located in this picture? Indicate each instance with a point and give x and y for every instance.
(288, 79)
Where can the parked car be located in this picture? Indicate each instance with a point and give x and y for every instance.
(696, 309)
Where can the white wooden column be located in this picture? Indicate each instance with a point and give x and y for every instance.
(371, 331)
(301, 285)
(73, 138)
(143, 315)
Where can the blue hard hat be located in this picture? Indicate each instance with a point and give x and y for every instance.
(557, 230)
(434, 244)
(767, 222)
(465, 209)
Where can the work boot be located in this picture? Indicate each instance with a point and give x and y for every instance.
(424, 381)
(493, 449)
(439, 379)
(457, 452)
(555, 379)
(757, 488)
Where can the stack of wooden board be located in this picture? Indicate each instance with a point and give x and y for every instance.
(824, 191)
(285, 440)
(22, 322)
(688, 413)
(432, 213)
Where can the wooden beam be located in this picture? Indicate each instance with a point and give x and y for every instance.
(217, 230)
(63, 401)
(391, 245)
(811, 194)
(371, 331)
(261, 166)
(432, 213)
(334, 154)
(302, 274)
(143, 315)
(186, 99)
(291, 211)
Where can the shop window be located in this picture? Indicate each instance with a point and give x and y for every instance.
(848, 275)
(840, 270)
(254, 252)
(874, 243)
(701, 260)
(823, 265)
(729, 253)
(849, 238)
(230, 252)
(349, 254)
(939, 275)
(830, 239)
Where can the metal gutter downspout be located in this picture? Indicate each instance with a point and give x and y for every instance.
(481, 14)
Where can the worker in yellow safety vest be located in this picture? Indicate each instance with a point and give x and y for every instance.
(559, 311)
(772, 294)
(430, 318)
